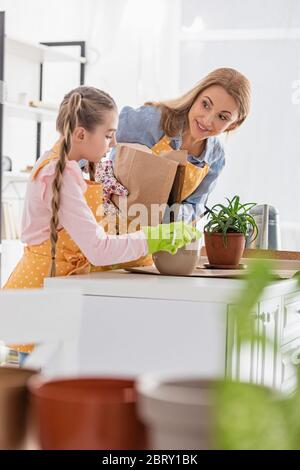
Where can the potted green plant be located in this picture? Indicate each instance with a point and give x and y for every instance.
(226, 231)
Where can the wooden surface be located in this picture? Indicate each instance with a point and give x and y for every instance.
(266, 254)
(272, 254)
(218, 273)
(199, 272)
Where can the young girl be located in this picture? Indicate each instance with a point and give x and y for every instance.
(60, 226)
(219, 103)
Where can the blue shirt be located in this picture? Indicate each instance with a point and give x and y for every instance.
(142, 126)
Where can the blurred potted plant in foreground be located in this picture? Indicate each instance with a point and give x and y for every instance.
(188, 412)
(191, 412)
(226, 231)
(251, 416)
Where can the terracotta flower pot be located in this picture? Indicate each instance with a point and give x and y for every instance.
(181, 263)
(178, 412)
(87, 413)
(224, 255)
(13, 406)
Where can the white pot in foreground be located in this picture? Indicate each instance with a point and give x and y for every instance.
(178, 411)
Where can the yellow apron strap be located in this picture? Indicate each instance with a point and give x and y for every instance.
(40, 166)
(193, 177)
(53, 155)
(163, 145)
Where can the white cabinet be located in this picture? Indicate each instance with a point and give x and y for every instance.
(135, 323)
(269, 318)
(290, 357)
(241, 360)
(131, 335)
(291, 318)
(290, 341)
(277, 321)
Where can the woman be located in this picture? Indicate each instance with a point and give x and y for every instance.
(219, 103)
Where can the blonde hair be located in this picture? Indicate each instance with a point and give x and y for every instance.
(174, 119)
(86, 107)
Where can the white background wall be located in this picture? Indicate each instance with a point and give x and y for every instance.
(131, 53)
(134, 53)
(263, 155)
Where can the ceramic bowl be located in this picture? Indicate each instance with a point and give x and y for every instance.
(181, 263)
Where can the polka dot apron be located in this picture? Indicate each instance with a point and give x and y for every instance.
(35, 263)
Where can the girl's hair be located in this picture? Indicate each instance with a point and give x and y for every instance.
(174, 119)
(84, 106)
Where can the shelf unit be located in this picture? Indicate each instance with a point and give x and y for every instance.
(39, 53)
(260, 34)
(81, 60)
(13, 178)
(39, 114)
(16, 176)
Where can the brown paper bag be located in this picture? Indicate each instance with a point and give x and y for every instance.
(148, 178)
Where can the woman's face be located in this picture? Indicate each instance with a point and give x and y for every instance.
(213, 112)
(93, 146)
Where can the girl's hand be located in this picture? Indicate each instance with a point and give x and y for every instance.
(170, 237)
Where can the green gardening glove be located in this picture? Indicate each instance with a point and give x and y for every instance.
(170, 237)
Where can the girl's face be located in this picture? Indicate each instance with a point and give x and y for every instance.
(93, 146)
(213, 112)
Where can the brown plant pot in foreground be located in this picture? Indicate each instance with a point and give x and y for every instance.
(87, 413)
(228, 255)
(13, 406)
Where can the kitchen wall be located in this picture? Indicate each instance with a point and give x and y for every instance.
(36, 21)
(263, 155)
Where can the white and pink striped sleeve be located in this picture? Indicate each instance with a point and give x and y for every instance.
(78, 220)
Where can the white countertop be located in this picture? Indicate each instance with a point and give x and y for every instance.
(121, 283)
